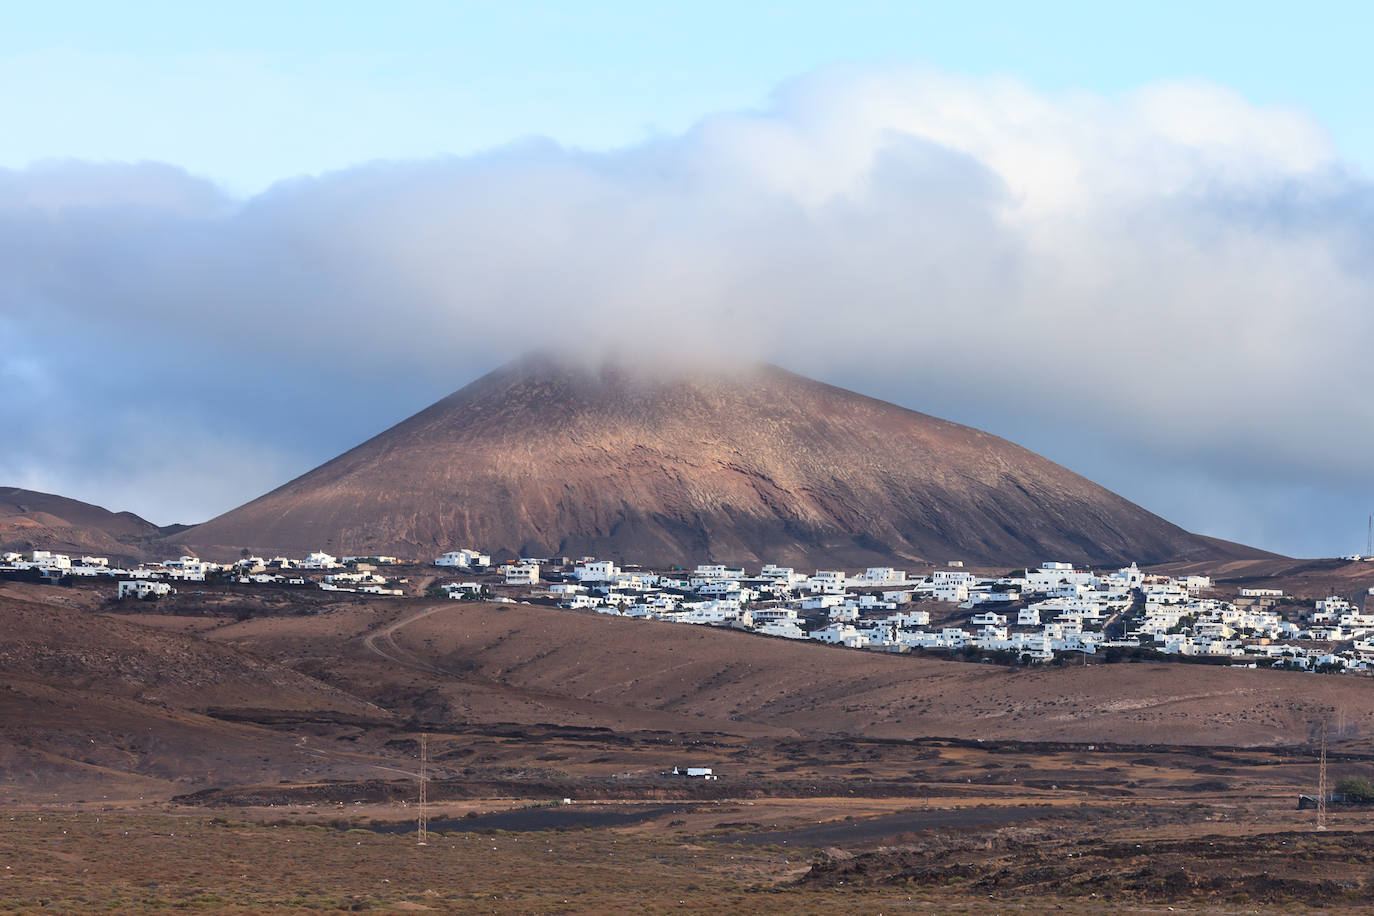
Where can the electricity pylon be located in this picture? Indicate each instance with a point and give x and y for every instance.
(1321, 783)
(423, 833)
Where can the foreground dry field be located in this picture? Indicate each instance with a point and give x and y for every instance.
(219, 753)
(1210, 857)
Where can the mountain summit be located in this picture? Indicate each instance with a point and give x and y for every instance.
(544, 457)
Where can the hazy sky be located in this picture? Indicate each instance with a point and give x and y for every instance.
(233, 244)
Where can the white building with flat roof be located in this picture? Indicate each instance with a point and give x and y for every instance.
(522, 574)
(595, 571)
(141, 588)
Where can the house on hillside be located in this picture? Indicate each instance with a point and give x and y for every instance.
(464, 558)
(881, 575)
(522, 573)
(141, 588)
(595, 571)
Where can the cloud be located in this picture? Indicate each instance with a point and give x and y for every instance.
(1171, 283)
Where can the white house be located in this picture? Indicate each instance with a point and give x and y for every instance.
(718, 572)
(1053, 575)
(947, 575)
(1330, 608)
(828, 582)
(952, 590)
(320, 560)
(522, 573)
(190, 569)
(782, 575)
(840, 634)
(140, 588)
(882, 575)
(724, 588)
(595, 571)
(844, 613)
(461, 558)
(985, 596)
(787, 629)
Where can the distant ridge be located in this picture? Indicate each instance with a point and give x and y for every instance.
(543, 457)
(30, 519)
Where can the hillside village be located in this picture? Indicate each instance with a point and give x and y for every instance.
(1026, 616)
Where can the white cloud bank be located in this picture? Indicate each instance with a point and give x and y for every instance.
(1168, 290)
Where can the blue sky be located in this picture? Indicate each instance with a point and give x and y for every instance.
(1138, 239)
(251, 92)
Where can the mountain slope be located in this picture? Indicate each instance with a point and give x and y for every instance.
(544, 458)
(30, 519)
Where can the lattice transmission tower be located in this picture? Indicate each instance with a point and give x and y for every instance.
(423, 820)
(1321, 783)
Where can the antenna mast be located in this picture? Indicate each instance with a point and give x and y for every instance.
(1321, 783)
(423, 834)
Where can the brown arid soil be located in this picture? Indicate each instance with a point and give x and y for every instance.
(1232, 856)
(542, 458)
(168, 755)
(94, 688)
(29, 520)
(1307, 579)
(533, 665)
(1129, 862)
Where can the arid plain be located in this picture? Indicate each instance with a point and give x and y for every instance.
(258, 749)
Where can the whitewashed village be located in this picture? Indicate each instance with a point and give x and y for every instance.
(1029, 616)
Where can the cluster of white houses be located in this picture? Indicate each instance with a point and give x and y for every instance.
(1033, 614)
(153, 580)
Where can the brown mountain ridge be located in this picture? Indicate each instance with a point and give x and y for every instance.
(544, 457)
(30, 519)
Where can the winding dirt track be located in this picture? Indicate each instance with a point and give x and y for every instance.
(398, 655)
(551, 705)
